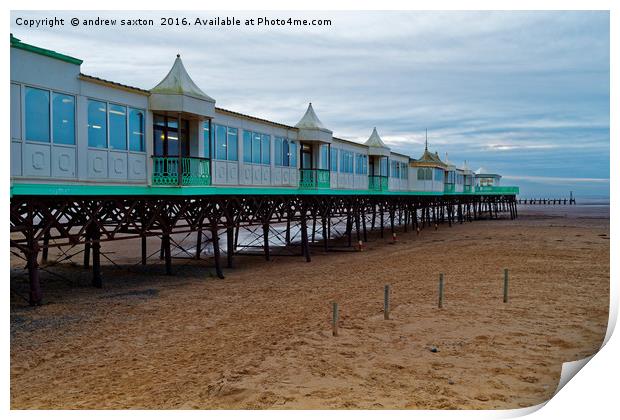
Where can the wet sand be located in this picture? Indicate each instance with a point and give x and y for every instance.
(261, 338)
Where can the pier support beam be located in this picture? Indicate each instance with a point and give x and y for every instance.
(143, 248)
(165, 243)
(97, 281)
(305, 246)
(216, 249)
(230, 245)
(266, 240)
(198, 244)
(35, 296)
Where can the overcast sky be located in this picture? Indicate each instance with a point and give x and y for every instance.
(525, 94)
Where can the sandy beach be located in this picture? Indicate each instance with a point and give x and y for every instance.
(261, 338)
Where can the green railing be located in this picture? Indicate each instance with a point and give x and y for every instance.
(448, 188)
(497, 190)
(467, 189)
(311, 179)
(194, 171)
(377, 183)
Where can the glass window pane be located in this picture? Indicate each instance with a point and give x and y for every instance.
(256, 138)
(118, 127)
(277, 151)
(97, 124)
(37, 114)
(293, 154)
(63, 116)
(323, 164)
(220, 142)
(206, 139)
(136, 130)
(247, 146)
(286, 153)
(232, 144)
(266, 149)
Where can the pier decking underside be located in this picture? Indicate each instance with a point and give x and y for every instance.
(39, 222)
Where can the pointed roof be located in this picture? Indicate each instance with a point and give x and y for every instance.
(311, 129)
(428, 158)
(310, 121)
(374, 140)
(178, 82)
(376, 147)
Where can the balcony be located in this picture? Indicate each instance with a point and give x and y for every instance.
(448, 188)
(467, 189)
(377, 183)
(312, 179)
(498, 190)
(194, 171)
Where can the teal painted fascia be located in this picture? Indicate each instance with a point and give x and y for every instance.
(16, 43)
(26, 189)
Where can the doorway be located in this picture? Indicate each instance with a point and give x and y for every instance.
(168, 138)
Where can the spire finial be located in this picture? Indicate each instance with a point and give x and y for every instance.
(178, 55)
(426, 141)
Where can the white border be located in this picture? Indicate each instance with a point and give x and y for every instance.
(592, 394)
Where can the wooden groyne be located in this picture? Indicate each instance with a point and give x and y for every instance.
(549, 201)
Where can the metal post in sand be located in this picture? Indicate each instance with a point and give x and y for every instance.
(386, 302)
(334, 319)
(441, 290)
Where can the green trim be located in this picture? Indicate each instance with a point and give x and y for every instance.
(497, 190)
(194, 171)
(16, 43)
(142, 190)
(377, 183)
(312, 179)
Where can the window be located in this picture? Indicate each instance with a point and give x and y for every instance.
(136, 130)
(226, 142)
(118, 127)
(63, 118)
(247, 147)
(206, 138)
(231, 146)
(265, 149)
(97, 124)
(404, 171)
(383, 167)
(277, 151)
(425, 174)
(346, 162)
(293, 154)
(334, 159)
(257, 148)
(439, 174)
(220, 142)
(37, 115)
(324, 162)
(256, 138)
(361, 164)
(395, 169)
(286, 153)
